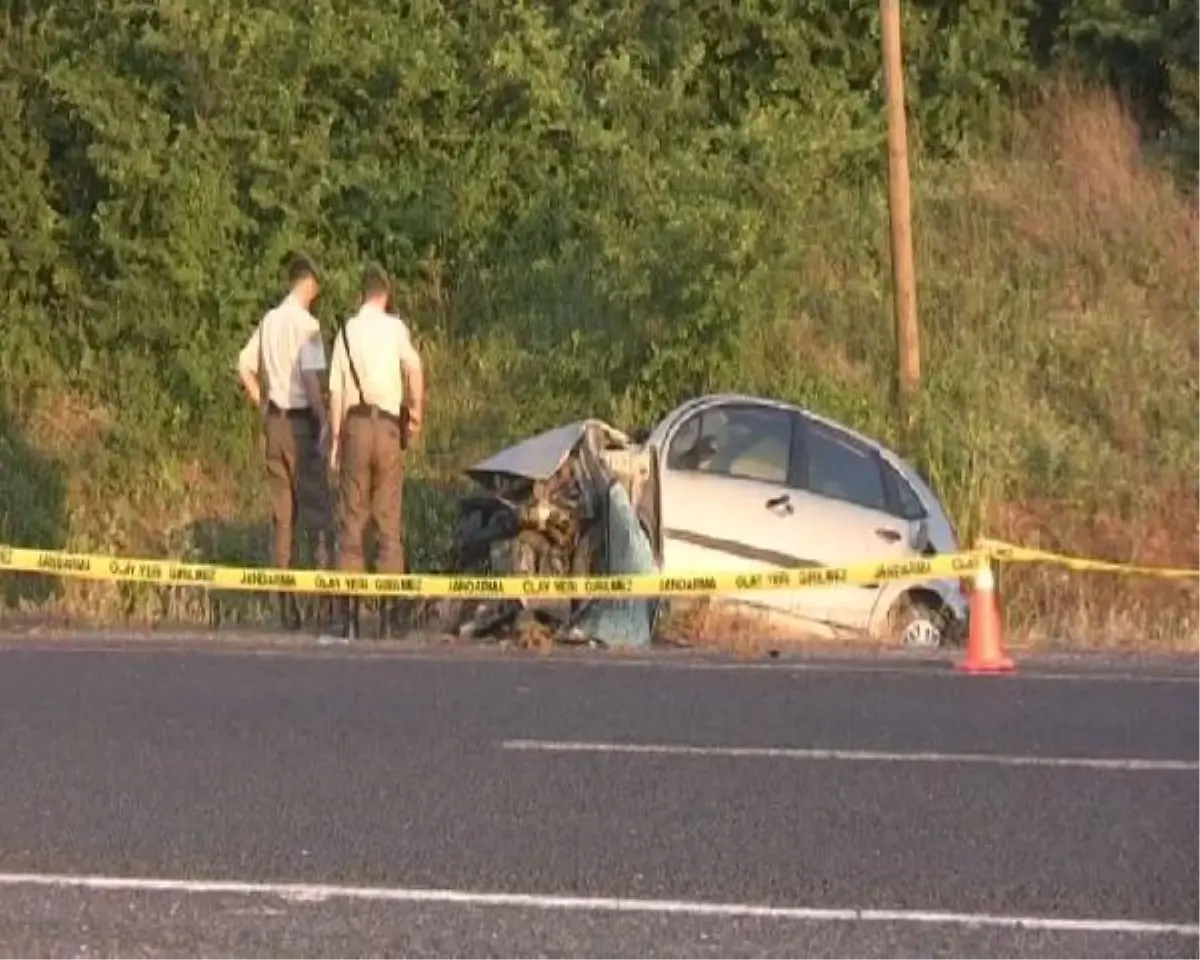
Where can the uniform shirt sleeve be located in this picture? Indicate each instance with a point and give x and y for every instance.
(312, 349)
(337, 368)
(248, 359)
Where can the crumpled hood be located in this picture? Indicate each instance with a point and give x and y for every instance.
(539, 457)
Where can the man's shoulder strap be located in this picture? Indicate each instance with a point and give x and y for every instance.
(350, 362)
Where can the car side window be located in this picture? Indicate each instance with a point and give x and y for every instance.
(841, 469)
(907, 503)
(743, 442)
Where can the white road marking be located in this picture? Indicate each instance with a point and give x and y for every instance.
(875, 756)
(317, 892)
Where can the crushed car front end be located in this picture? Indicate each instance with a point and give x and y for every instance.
(578, 500)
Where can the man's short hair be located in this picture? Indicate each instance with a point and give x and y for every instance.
(300, 268)
(375, 282)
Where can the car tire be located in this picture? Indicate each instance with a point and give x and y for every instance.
(921, 622)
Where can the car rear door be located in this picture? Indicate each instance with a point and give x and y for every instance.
(842, 517)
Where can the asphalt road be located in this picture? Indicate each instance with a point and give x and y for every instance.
(465, 805)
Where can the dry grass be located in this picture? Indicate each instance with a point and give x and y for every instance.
(1053, 605)
(1125, 240)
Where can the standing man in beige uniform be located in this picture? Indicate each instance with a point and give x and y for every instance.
(377, 400)
(287, 352)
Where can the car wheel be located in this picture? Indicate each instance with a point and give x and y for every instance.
(920, 623)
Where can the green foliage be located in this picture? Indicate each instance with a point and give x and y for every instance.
(594, 208)
(1147, 49)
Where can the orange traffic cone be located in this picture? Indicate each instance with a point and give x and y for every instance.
(985, 651)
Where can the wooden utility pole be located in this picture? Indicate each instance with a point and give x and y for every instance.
(904, 282)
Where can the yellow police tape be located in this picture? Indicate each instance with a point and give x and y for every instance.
(1007, 552)
(174, 574)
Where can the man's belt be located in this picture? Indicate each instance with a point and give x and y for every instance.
(372, 412)
(290, 413)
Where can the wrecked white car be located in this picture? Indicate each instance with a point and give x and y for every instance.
(722, 483)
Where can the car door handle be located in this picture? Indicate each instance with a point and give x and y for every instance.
(888, 534)
(783, 500)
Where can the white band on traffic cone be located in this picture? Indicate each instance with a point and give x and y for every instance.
(983, 577)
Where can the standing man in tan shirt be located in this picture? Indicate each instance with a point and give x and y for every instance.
(377, 401)
(287, 352)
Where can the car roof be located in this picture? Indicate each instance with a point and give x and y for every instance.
(894, 459)
(714, 399)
